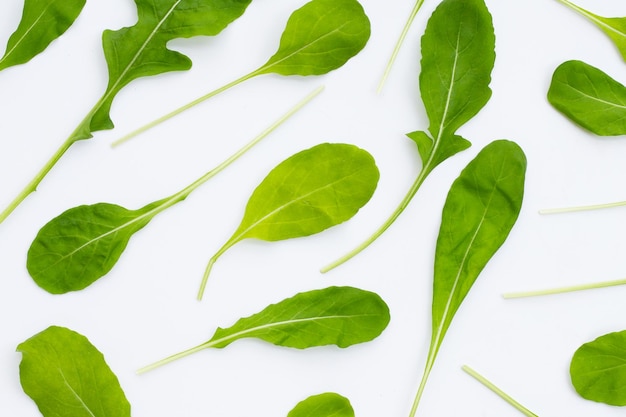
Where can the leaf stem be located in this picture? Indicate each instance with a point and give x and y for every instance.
(181, 109)
(498, 391)
(427, 369)
(562, 290)
(172, 358)
(399, 43)
(582, 208)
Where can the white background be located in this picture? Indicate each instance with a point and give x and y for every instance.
(145, 308)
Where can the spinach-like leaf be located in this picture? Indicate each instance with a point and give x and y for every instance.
(42, 22)
(457, 58)
(589, 98)
(306, 194)
(598, 369)
(480, 210)
(319, 37)
(341, 316)
(328, 404)
(67, 376)
(82, 244)
(140, 51)
(613, 27)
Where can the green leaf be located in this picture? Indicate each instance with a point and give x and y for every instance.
(321, 36)
(341, 316)
(67, 376)
(589, 98)
(458, 54)
(42, 22)
(328, 404)
(598, 369)
(83, 244)
(307, 193)
(613, 27)
(480, 211)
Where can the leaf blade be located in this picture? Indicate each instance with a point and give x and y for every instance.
(328, 404)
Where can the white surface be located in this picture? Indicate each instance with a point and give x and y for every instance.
(145, 308)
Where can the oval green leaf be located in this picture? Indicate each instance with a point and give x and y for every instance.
(589, 98)
(67, 376)
(320, 36)
(328, 404)
(42, 22)
(598, 369)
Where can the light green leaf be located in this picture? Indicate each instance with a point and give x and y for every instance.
(328, 404)
(307, 193)
(598, 369)
(458, 54)
(480, 211)
(613, 27)
(341, 316)
(67, 376)
(589, 97)
(42, 22)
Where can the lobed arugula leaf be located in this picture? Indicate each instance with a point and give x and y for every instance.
(140, 51)
(598, 369)
(321, 36)
(589, 98)
(457, 58)
(613, 27)
(341, 316)
(307, 193)
(328, 404)
(42, 22)
(480, 211)
(67, 376)
(81, 245)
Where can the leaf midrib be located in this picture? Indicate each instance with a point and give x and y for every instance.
(75, 394)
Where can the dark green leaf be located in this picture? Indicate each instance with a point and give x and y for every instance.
(589, 97)
(320, 37)
(323, 405)
(341, 316)
(42, 22)
(67, 376)
(480, 211)
(598, 369)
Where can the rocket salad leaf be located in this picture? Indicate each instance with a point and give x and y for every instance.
(457, 58)
(306, 194)
(82, 244)
(67, 376)
(341, 316)
(140, 51)
(319, 37)
(480, 210)
(42, 22)
(328, 404)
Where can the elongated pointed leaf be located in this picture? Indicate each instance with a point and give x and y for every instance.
(589, 98)
(82, 244)
(598, 369)
(613, 27)
(42, 22)
(67, 376)
(141, 50)
(328, 404)
(320, 37)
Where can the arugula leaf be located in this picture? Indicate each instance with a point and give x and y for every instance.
(328, 404)
(42, 22)
(140, 51)
(613, 27)
(67, 376)
(82, 244)
(598, 370)
(319, 37)
(307, 193)
(480, 210)
(341, 316)
(457, 58)
(589, 98)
